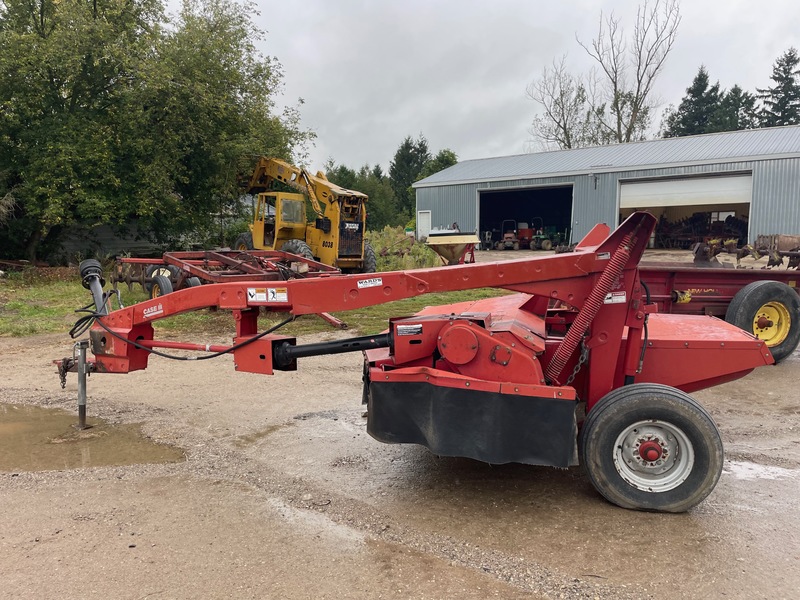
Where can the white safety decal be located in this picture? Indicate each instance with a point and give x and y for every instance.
(615, 298)
(277, 294)
(257, 294)
(368, 283)
(409, 329)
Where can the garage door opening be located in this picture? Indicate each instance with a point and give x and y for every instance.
(692, 210)
(541, 216)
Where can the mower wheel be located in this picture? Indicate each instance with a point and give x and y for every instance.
(244, 242)
(370, 264)
(547, 245)
(298, 247)
(770, 310)
(193, 282)
(651, 447)
(168, 271)
(161, 286)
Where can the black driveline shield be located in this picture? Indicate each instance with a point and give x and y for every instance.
(491, 427)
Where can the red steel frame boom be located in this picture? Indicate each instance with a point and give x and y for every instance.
(600, 308)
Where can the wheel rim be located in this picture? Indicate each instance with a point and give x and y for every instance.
(772, 323)
(653, 456)
(156, 291)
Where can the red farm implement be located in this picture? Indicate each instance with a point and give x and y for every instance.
(506, 379)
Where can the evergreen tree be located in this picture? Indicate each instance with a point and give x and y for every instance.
(781, 102)
(409, 160)
(736, 110)
(697, 111)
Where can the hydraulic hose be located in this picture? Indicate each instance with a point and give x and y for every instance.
(589, 311)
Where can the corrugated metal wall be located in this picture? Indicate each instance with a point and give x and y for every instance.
(776, 198)
(775, 207)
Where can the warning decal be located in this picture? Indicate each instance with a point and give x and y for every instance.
(277, 294)
(257, 294)
(615, 298)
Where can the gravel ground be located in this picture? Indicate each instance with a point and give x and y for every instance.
(284, 495)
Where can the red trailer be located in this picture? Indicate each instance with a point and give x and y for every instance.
(506, 379)
(764, 302)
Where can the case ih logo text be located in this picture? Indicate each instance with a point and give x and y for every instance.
(152, 311)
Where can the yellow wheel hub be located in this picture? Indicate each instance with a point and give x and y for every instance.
(772, 323)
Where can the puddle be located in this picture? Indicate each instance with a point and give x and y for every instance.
(44, 439)
(748, 470)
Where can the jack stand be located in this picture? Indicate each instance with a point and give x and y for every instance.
(82, 346)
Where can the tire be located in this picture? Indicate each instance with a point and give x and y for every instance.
(773, 305)
(547, 245)
(244, 242)
(672, 427)
(161, 286)
(168, 271)
(298, 247)
(193, 282)
(370, 263)
(515, 246)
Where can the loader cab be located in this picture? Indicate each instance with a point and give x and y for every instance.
(279, 217)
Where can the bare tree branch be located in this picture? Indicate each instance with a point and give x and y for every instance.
(563, 100)
(616, 103)
(630, 102)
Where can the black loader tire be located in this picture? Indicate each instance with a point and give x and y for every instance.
(193, 282)
(244, 242)
(168, 271)
(774, 304)
(370, 262)
(161, 286)
(547, 245)
(298, 247)
(651, 447)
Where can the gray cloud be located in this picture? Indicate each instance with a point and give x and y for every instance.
(372, 73)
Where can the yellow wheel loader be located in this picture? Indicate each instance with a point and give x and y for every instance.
(336, 235)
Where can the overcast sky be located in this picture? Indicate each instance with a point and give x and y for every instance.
(373, 72)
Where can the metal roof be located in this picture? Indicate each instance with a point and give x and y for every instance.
(750, 144)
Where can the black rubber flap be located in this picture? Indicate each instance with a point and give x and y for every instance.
(490, 427)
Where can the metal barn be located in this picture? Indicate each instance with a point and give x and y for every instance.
(740, 184)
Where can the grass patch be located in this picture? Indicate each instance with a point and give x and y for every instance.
(32, 306)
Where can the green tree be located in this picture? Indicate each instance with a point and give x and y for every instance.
(108, 113)
(697, 111)
(381, 206)
(444, 158)
(65, 68)
(341, 175)
(736, 110)
(780, 103)
(409, 160)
